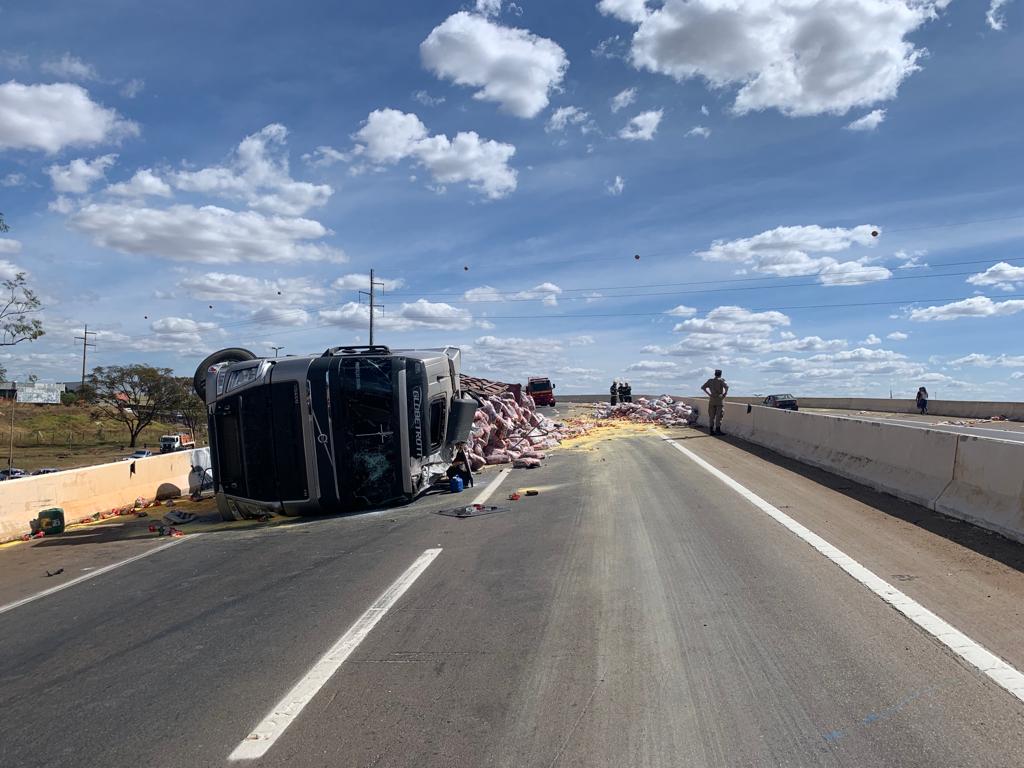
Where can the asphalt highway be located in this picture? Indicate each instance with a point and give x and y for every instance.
(639, 611)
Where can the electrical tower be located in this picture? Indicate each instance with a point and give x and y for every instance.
(372, 295)
(84, 338)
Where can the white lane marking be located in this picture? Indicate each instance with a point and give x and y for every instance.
(975, 654)
(492, 486)
(92, 574)
(285, 712)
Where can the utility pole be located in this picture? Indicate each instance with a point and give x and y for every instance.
(84, 338)
(10, 456)
(372, 293)
(276, 349)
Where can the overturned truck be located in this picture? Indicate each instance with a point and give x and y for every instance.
(352, 428)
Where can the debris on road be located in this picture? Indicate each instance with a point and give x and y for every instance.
(179, 518)
(473, 510)
(507, 428)
(58, 572)
(663, 410)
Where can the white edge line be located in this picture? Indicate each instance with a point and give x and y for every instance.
(92, 574)
(284, 713)
(967, 649)
(492, 486)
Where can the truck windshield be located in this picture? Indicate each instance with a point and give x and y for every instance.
(370, 444)
(539, 386)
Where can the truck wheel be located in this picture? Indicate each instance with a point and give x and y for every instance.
(229, 355)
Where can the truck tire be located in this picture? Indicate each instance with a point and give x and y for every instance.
(229, 355)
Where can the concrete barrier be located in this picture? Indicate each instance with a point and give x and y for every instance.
(987, 488)
(976, 479)
(960, 409)
(82, 492)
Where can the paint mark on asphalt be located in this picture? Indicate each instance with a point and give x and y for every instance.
(1007, 677)
(92, 574)
(284, 713)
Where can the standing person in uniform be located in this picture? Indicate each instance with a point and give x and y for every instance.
(922, 400)
(716, 389)
(614, 393)
(627, 397)
(622, 391)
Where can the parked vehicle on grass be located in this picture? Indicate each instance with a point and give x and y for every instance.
(139, 454)
(11, 474)
(45, 470)
(786, 402)
(351, 428)
(178, 442)
(541, 390)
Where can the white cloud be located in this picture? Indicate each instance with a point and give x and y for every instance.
(220, 287)
(704, 110)
(792, 251)
(682, 311)
(735, 320)
(616, 186)
(8, 269)
(12, 180)
(642, 127)
(699, 130)
(994, 15)
(62, 205)
(281, 315)
(510, 66)
(133, 88)
(797, 56)
(488, 8)
(911, 260)
(581, 341)
(389, 136)
(257, 173)
(325, 156)
(177, 325)
(988, 361)
(52, 117)
(10, 245)
(427, 100)
(871, 340)
(69, 67)
(143, 183)
(563, 117)
(976, 306)
(11, 60)
(360, 281)
(652, 366)
(623, 99)
(209, 235)
(77, 176)
(613, 47)
(868, 122)
(897, 336)
(548, 293)
(1002, 275)
(419, 314)
(483, 293)
(1017, 375)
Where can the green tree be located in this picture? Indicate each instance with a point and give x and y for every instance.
(18, 303)
(133, 394)
(3, 224)
(188, 408)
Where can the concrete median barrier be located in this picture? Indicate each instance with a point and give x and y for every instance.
(914, 464)
(988, 486)
(85, 491)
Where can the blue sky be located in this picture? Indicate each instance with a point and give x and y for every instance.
(188, 176)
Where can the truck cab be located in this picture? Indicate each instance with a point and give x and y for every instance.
(352, 428)
(541, 390)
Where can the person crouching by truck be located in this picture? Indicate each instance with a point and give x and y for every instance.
(461, 467)
(614, 400)
(922, 400)
(716, 389)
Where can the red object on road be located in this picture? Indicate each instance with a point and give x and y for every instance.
(541, 390)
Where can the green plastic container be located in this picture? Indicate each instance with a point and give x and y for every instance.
(51, 521)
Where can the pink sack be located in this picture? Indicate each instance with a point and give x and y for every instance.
(526, 463)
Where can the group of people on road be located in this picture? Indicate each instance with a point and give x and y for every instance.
(621, 392)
